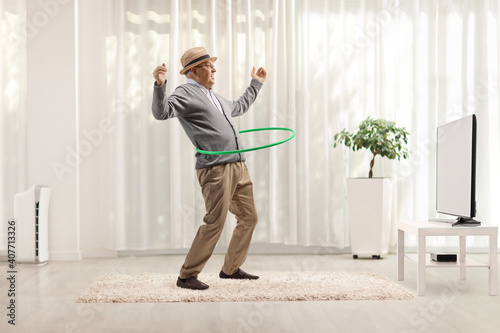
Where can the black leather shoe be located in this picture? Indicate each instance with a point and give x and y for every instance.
(191, 283)
(239, 274)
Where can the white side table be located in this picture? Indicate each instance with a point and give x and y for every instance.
(423, 229)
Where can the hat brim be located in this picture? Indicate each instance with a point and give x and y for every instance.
(185, 69)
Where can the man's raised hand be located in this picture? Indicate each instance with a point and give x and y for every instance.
(160, 75)
(260, 75)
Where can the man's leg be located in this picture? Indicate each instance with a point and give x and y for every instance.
(217, 187)
(243, 207)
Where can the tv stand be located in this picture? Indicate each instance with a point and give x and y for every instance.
(422, 229)
(466, 222)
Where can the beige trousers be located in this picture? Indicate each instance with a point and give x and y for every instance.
(225, 187)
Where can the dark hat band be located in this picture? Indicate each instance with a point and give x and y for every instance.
(206, 56)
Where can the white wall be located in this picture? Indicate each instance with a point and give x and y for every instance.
(51, 117)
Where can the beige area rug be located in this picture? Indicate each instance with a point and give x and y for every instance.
(272, 286)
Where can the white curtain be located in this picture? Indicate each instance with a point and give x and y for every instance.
(12, 109)
(330, 65)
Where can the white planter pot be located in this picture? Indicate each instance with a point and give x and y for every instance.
(369, 204)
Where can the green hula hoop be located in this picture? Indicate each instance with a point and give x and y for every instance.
(207, 152)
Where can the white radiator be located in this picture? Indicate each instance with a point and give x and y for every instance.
(31, 211)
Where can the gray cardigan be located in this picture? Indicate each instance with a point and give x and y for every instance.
(206, 127)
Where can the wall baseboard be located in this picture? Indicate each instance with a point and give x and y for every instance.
(65, 256)
(256, 248)
(99, 253)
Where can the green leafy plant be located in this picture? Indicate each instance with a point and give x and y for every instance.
(379, 136)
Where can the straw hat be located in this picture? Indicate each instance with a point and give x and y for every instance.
(193, 57)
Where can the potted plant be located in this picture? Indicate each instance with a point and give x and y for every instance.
(369, 199)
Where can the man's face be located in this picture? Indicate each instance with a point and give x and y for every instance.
(205, 74)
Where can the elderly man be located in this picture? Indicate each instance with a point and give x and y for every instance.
(224, 179)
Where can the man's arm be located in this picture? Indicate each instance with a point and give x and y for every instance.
(165, 107)
(246, 100)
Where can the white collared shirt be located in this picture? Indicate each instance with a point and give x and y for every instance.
(208, 92)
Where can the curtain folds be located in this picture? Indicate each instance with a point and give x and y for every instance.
(330, 65)
(12, 109)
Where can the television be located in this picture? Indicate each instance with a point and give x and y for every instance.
(456, 171)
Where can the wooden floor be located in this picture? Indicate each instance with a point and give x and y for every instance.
(46, 300)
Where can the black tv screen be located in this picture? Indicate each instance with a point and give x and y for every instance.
(456, 168)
